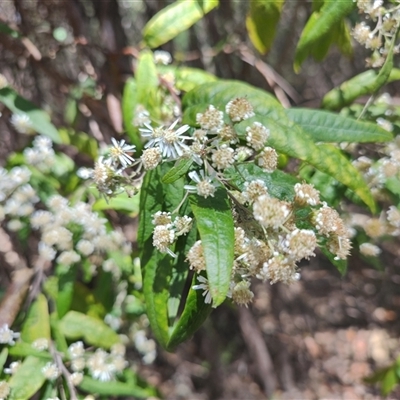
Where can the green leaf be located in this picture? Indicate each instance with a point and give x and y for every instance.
(28, 379)
(156, 267)
(324, 126)
(114, 388)
(163, 276)
(393, 185)
(342, 38)
(285, 136)
(37, 322)
(195, 313)
(81, 140)
(340, 168)
(146, 76)
(341, 265)
(177, 171)
(120, 202)
(389, 381)
(360, 85)
(85, 302)
(58, 337)
(65, 294)
(319, 27)
(4, 28)
(129, 104)
(40, 120)
(94, 331)
(187, 78)
(278, 183)
(261, 23)
(22, 349)
(215, 224)
(3, 358)
(147, 83)
(174, 19)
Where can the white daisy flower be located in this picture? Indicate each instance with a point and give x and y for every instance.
(120, 150)
(205, 287)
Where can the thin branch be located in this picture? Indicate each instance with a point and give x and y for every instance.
(280, 86)
(66, 374)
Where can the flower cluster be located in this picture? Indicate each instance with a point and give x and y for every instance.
(380, 36)
(378, 174)
(67, 233)
(270, 237)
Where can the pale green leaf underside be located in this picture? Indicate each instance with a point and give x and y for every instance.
(174, 19)
(75, 325)
(28, 379)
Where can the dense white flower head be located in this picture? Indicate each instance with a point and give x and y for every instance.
(370, 250)
(239, 109)
(7, 335)
(257, 135)
(270, 212)
(162, 57)
(212, 119)
(22, 123)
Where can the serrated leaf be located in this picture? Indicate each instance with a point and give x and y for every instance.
(261, 23)
(278, 183)
(174, 19)
(177, 171)
(114, 388)
(40, 120)
(120, 202)
(129, 104)
(37, 322)
(76, 325)
(28, 379)
(215, 224)
(195, 313)
(324, 126)
(319, 25)
(285, 136)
